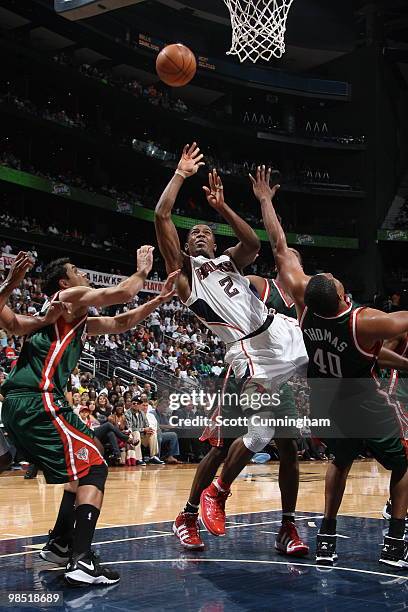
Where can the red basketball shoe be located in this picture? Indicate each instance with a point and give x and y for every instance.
(212, 503)
(186, 528)
(288, 541)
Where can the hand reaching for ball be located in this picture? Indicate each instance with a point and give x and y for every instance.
(190, 161)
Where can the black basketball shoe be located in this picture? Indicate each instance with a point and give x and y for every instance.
(85, 569)
(55, 552)
(326, 549)
(394, 552)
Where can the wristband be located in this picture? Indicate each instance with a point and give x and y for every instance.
(181, 173)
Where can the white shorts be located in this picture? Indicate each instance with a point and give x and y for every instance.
(274, 355)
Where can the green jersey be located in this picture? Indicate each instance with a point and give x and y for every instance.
(47, 358)
(398, 379)
(278, 300)
(332, 346)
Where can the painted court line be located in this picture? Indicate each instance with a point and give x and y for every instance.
(265, 562)
(159, 534)
(298, 518)
(113, 526)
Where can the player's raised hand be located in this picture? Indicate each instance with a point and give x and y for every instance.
(215, 191)
(169, 290)
(190, 161)
(145, 259)
(261, 184)
(19, 268)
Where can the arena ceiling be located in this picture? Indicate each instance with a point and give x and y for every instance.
(317, 30)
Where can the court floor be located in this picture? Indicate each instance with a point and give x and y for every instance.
(236, 573)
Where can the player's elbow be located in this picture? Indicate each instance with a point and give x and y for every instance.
(160, 214)
(125, 296)
(254, 243)
(10, 326)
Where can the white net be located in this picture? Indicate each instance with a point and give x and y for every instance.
(258, 28)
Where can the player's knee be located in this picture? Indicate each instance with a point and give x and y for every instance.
(342, 464)
(71, 487)
(219, 452)
(96, 477)
(258, 437)
(5, 461)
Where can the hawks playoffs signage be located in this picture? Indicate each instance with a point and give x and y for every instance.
(6, 260)
(110, 280)
(95, 278)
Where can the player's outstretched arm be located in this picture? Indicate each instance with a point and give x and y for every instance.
(167, 237)
(22, 325)
(128, 320)
(374, 325)
(83, 297)
(391, 359)
(245, 252)
(290, 271)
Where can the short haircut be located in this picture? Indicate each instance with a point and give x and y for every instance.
(53, 274)
(191, 229)
(321, 296)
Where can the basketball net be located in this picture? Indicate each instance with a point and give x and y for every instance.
(258, 28)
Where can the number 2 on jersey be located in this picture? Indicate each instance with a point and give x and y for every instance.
(329, 365)
(228, 285)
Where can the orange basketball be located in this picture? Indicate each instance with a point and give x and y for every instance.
(176, 65)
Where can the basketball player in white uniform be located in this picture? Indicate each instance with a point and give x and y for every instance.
(268, 349)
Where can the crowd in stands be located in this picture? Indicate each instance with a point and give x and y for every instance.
(340, 224)
(158, 95)
(150, 93)
(57, 115)
(32, 225)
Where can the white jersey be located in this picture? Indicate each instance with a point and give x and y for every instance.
(222, 299)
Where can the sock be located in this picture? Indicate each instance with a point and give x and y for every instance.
(396, 528)
(86, 517)
(190, 508)
(64, 525)
(221, 486)
(328, 526)
(288, 516)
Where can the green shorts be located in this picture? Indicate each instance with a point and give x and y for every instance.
(390, 452)
(50, 435)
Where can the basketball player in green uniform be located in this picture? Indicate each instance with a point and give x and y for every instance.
(20, 325)
(41, 422)
(343, 342)
(396, 381)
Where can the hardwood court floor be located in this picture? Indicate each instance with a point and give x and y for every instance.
(151, 494)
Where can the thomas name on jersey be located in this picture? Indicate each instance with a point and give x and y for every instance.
(325, 335)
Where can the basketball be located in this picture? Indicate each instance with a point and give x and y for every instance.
(176, 65)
